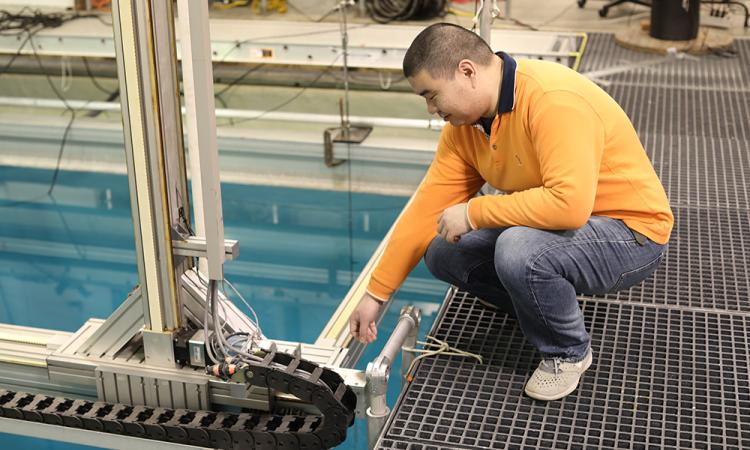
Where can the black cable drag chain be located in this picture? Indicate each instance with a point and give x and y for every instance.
(323, 388)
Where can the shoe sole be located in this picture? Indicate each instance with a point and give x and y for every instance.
(566, 392)
(487, 305)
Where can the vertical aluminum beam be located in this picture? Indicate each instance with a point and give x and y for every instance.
(485, 21)
(197, 73)
(121, 56)
(156, 169)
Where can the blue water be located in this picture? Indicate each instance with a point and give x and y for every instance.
(70, 256)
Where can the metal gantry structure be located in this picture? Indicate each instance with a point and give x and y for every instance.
(131, 360)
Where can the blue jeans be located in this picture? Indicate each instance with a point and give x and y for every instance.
(535, 274)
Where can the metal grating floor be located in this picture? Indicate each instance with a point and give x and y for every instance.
(663, 377)
(700, 171)
(671, 366)
(706, 265)
(684, 112)
(712, 72)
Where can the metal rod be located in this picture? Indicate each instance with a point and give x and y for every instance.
(328, 119)
(408, 321)
(344, 47)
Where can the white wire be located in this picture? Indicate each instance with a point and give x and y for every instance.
(385, 85)
(442, 349)
(219, 327)
(206, 334)
(475, 19)
(255, 316)
(226, 346)
(241, 351)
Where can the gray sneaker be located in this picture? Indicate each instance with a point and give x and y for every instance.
(554, 378)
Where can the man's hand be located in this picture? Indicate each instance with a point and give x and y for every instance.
(453, 223)
(362, 321)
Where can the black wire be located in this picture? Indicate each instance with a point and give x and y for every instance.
(350, 201)
(70, 123)
(111, 95)
(93, 79)
(60, 152)
(237, 80)
(22, 22)
(18, 53)
(732, 2)
(290, 100)
(100, 17)
(224, 105)
(31, 24)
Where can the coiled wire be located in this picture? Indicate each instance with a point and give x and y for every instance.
(384, 11)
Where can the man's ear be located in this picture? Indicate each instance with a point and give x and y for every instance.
(467, 69)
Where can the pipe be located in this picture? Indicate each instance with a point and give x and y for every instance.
(328, 119)
(379, 371)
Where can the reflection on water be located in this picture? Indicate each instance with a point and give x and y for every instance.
(68, 257)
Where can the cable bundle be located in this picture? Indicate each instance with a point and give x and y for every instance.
(23, 21)
(219, 344)
(384, 11)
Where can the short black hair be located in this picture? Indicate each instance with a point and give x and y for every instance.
(441, 46)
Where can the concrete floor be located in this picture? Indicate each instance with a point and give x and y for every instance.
(548, 15)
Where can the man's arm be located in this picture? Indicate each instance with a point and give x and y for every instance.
(568, 137)
(449, 180)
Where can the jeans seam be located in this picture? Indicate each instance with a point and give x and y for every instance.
(622, 275)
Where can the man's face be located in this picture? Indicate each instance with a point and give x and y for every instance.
(453, 99)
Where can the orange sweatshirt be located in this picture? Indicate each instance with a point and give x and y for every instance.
(561, 149)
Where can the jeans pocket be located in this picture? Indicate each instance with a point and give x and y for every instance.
(632, 277)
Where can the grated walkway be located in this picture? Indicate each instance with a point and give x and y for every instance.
(671, 363)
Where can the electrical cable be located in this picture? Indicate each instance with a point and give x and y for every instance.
(94, 81)
(17, 54)
(386, 11)
(291, 99)
(238, 79)
(255, 316)
(67, 128)
(31, 24)
(217, 340)
(206, 334)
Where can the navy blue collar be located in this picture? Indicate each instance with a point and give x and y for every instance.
(507, 98)
(508, 85)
